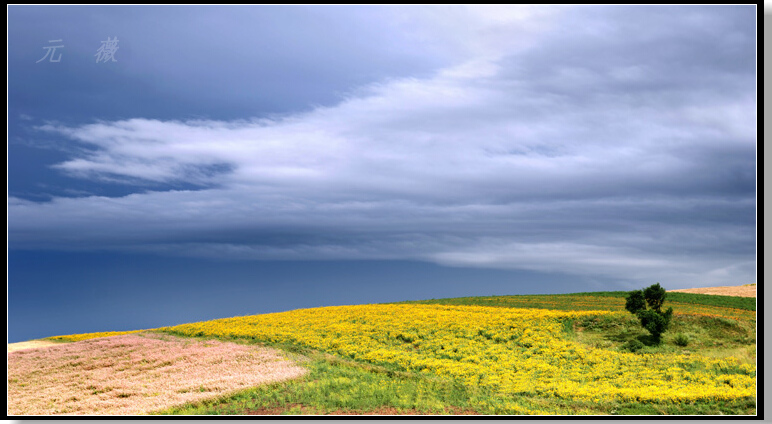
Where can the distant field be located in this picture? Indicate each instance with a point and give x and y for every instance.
(535, 354)
(682, 303)
(748, 290)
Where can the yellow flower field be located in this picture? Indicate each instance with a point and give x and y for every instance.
(513, 351)
(88, 336)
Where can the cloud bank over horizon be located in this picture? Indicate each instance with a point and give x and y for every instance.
(616, 142)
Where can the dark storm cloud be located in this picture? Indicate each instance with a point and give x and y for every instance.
(616, 142)
(200, 62)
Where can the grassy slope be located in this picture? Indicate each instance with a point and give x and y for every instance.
(714, 325)
(612, 301)
(339, 386)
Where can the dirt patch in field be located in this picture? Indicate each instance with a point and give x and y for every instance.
(32, 344)
(744, 291)
(135, 374)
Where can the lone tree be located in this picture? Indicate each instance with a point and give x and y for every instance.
(652, 319)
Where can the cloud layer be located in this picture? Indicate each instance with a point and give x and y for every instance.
(586, 143)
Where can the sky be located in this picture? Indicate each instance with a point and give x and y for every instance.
(234, 160)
